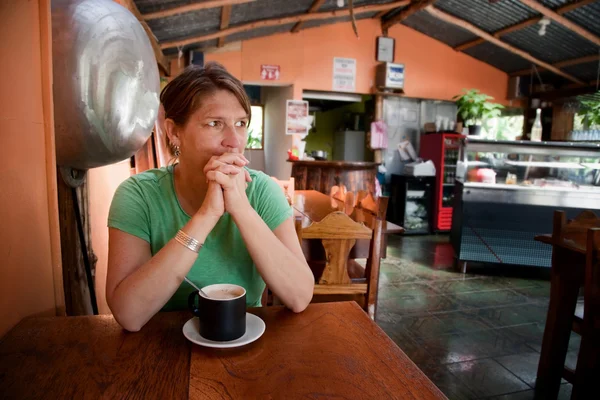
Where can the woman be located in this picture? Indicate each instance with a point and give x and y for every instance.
(207, 217)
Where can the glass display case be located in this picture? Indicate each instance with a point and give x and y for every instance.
(507, 192)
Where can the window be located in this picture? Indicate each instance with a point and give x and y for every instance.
(255, 130)
(507, 126)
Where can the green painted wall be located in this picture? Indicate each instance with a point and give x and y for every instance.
(328, 122)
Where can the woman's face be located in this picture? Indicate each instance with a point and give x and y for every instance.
(218, 126)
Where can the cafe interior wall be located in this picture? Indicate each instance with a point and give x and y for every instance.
(433, 69)
(30, 266)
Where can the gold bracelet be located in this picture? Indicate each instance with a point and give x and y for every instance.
(188, 241)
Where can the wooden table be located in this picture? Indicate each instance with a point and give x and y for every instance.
(331, 350)
(322, 175)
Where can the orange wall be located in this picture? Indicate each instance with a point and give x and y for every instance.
(103, 183)
(433, 70)
(28, 217)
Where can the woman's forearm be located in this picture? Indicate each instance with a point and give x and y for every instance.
(144, 292)
(285, 273)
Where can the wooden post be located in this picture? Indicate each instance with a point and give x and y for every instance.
(77, 295)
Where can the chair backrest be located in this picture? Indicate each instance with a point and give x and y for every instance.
(591, 290)
(338, 233)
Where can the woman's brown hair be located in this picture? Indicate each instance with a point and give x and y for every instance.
(184, 94)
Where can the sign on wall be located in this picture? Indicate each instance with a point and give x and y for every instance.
(270, 72)
(297, 121)
(344, 74)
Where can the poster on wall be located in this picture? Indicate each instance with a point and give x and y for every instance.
(344, 74)
(270, 72)
(297, 120)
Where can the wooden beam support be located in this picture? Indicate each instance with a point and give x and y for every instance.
(524, 24)
(225, 16)
(561, 64)
(161, 60)
(380, 14)
(484, 35)
(313, 8)
(283, 21)
(203, 5)
(414, 7)
(567, 23)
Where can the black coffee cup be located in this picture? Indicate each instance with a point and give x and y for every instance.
(221, 315)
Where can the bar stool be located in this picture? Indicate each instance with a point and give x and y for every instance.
(575, 262)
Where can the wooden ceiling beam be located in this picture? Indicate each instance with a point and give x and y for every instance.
(439, 14)
(524, 24)
(380, 14)
(567, 23)
(313, 8)
(225, 16)
(283, 21)
(161, 60)
(561, 64)
(414, 7)
(203, 5)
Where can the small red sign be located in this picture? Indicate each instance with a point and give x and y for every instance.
(270, 72)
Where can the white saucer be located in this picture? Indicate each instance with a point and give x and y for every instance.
(255, 327)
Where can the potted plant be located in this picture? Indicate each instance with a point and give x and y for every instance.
(474, 107)
(590, 110)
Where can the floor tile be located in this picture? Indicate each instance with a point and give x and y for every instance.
(466, 285)
(502, 316)
(524, 366)
(525, 395)
(489, 298)
(452, 387)
(474, 335)
(464, 347)
(487, 378)
(464, 321)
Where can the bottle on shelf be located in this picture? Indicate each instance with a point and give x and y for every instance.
(536, 130)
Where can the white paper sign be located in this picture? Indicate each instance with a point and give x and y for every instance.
(344, 74)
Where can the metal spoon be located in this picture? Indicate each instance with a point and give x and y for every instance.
(196, 287)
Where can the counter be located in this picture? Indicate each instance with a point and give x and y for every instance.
(322, 175)
(496, 223)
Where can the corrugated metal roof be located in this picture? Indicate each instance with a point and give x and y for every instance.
(332, 4)
(450, 34)
(557, 44)
(185, 25)
(196, 46)
(148, 6)
(260, 32)
(588, 71)
(588, 17)
(322, 22)
(265, 9)
(498, 57)
(488, 16)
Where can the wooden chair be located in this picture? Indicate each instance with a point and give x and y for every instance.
(588, 359)
(339, 233)
(575, 262)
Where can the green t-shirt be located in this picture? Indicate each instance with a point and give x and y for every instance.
(145, 205)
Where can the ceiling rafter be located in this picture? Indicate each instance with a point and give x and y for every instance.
(561, 64)
(313, 8)
(225, 16)
(193, 7)
(283, 21)
(415, 6)
(441, 15)
(559, 19)
(524, 24)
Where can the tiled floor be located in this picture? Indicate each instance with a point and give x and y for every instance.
(476, 335)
